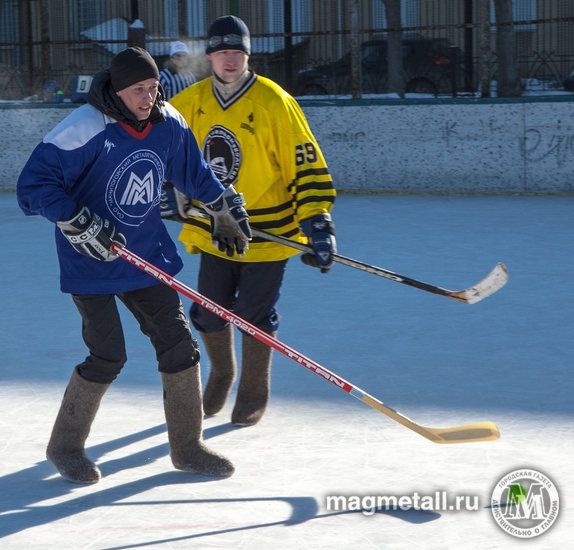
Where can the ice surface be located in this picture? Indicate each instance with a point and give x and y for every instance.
(507, 359)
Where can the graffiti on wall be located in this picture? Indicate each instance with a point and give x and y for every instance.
(350, 138)
(538, 146)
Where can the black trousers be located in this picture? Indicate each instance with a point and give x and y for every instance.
(161, 317)
(251, 290)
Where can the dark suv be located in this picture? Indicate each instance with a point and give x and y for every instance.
(429, 66)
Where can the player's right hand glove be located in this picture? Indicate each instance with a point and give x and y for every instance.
(320, 231)
(91, 235)
(230, 231)
(173, 204)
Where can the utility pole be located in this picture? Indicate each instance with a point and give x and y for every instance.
(135, 10)
(484, 26)
(468, 47)
(45, 40)
(181, 18)
(356, 68)
(288, 29)
(136, 31)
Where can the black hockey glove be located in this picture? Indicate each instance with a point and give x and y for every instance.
(230, 229)
(173, 204)
(321, 233)
(91, 235)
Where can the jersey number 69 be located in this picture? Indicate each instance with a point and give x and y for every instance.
(305, 152)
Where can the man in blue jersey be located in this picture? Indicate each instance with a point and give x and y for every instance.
(98, 177)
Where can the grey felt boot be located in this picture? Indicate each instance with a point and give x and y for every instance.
(184, 416)
(219, 346)
(254, 384)
(71, 429)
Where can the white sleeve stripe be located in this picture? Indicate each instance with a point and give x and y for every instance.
(78, 128)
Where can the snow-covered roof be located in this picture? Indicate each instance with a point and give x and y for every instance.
(117, 29)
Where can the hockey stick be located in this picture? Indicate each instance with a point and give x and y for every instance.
(494, 281)
(480, 431)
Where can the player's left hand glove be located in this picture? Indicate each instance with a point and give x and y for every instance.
(230, 229)
(321, 233)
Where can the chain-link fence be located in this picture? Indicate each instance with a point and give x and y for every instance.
(312, 48)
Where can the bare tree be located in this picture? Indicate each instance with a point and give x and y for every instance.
(396, 82)
(508, 78)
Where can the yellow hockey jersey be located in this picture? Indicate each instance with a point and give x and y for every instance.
(258, 140)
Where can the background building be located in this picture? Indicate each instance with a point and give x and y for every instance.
(58, 40)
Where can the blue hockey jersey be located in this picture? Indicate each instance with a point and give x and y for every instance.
(97, 161)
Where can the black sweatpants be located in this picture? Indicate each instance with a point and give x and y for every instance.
(161, 317)
(251, 290)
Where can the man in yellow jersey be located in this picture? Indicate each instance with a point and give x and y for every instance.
(255, 137)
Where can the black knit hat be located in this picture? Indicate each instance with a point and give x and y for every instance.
(131, 66)
(228, 33)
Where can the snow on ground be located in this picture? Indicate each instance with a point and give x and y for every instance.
(507, 359)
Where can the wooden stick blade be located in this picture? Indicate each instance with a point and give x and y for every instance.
(479, 431)
(469, 433)
(494, 281)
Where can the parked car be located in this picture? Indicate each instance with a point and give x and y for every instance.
(429, 67)
(569, 82)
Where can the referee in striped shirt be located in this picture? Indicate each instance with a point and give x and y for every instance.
(177, 75)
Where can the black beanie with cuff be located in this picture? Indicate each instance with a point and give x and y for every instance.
(131, 66)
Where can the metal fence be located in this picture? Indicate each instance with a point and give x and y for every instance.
(308, 47)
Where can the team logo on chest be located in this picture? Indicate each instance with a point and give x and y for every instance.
(222, 152)
(135, 186)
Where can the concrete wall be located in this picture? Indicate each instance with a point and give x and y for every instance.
(470, 146)
(434, 146)
(23, 127)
